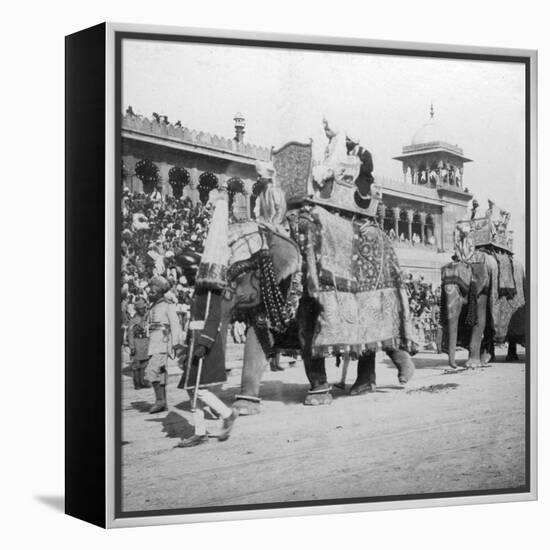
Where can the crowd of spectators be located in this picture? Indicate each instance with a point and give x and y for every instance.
(161, 235)
(415, 240)
(424, 304)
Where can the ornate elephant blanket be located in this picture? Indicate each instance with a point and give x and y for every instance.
(504, 318)
(356, 281)
(506, 279)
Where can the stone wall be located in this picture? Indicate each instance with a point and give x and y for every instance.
(143, 125)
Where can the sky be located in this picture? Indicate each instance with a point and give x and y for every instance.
(383, 100)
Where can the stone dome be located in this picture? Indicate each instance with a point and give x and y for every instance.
(430, 132)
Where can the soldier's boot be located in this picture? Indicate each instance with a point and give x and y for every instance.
(160, 398)
(135, 376)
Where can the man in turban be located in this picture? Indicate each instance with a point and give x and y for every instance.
(165, 338)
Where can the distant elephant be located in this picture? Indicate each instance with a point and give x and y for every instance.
(482, 304)
(262, 304)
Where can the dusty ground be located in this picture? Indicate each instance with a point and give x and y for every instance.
(442, 432)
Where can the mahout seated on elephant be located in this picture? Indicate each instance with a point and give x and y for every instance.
(293, 299)
(482, 304)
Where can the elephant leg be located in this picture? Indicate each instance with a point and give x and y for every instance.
(366, 375)
(512, 354)
(487, 353)
(404, 363)
(248, 401)
(319, 393)
(477, 333)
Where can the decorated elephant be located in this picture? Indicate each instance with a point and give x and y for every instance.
(483, 303)
(332, 286)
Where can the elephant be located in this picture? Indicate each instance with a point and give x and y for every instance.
(482, 304)
(264, 306)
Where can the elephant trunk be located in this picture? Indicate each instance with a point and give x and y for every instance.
(453, 303)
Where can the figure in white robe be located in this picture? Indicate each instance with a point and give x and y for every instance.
(336, 157)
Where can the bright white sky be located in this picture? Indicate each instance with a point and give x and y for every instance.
(383, 100)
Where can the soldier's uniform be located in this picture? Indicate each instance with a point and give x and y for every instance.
(138, 341)
(164, 333)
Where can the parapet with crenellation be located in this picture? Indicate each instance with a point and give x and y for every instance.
(160, 128)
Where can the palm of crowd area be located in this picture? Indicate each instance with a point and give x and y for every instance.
(160, 236)
(165, 236)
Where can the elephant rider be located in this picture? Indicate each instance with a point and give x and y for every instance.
(365, 179)
(164, 339)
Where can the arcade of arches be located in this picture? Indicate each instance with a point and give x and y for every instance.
(408, 224)
(148, 173)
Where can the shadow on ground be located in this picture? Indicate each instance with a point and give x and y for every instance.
(55, 502)
(174, 425)
(142, 406)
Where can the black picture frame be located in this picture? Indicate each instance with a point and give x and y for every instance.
(93, 228)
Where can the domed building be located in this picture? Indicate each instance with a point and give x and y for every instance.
(419, 212)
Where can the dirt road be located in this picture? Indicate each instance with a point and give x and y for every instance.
(442, 432)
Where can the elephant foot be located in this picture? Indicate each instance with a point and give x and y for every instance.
(405, 373)
(405, 366)
(247, 406)
(512, 357)
(473, 364)
(318, 397)
(453, 364)
(360, 389)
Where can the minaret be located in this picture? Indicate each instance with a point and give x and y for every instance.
(240, 124)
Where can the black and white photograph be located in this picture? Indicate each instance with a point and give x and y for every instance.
(323, 275)
(275, 275)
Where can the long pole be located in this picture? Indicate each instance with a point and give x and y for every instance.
(199, 366)
(189, 357)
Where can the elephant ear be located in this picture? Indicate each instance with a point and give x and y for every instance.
(285, 255)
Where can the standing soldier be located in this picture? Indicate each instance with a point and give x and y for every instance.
(164, 339)
(138, 341)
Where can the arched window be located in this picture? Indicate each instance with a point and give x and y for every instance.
(416, 228)
(422, 174)
(178, 178)
(429, 236)
(148, 172)
(257, 189)
(403, 225)
(207, 182)
(237, 199)
(389, 221)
